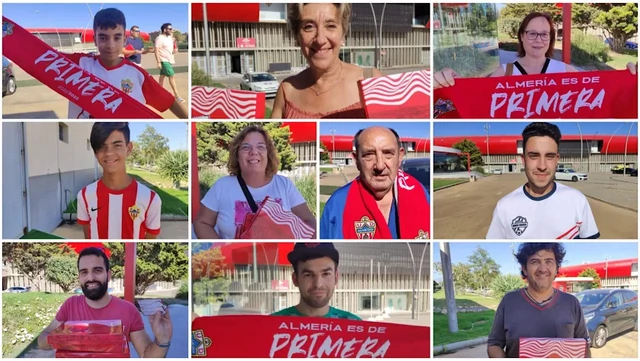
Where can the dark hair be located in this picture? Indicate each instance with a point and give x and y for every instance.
(94, 251)
(541, 129)
(309, 258)
(356, 140)
(527, 250)
(523, 27)
(134, 27)
(102, 130)
(109, 19)
(164, 26)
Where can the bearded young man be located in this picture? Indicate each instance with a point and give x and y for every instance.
(315, 273)
(538, 310)
(96, 304)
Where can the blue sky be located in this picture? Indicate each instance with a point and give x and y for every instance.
(149, 17)
(577, 253)
(176, 132)
(442, 129)
(404, 129)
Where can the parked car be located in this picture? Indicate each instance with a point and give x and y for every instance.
(497, 171)
(620, 169)
(18, 289)
(260, 82)
(9, 86)
(420, 168)
(570, 175)
(608, 312)
(633, 172)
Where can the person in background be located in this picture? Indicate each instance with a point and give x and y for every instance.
(134, 40)
(165, 50)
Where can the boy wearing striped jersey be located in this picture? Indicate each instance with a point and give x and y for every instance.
(109, 27)
(117, 206)
(542, 208)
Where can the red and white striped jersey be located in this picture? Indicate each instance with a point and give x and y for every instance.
(130, 213)
(126, 76)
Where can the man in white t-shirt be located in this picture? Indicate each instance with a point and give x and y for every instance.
(165, 48)
(542, 208)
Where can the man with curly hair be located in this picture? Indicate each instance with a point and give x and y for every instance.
(538, 310)
(542, 208)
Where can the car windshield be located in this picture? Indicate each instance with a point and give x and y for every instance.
(262, 77)
(420, 172)
(590, 299)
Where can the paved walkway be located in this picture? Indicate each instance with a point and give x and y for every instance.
(170, 230)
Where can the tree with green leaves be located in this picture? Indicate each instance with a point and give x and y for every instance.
(63, 271)
(214, 140)
(483, 268)
(520, 10)
(155, 262)
(152, 145)
(583, 15)
(590, 272)
(207, 264)
(462, 276)
(504, 284)
(324, 155)
(467, 146)
(30, 258)
(174, 166)
(482, 20)
(619, 21)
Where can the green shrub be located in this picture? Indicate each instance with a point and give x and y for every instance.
(207, 177)
(587, 49)
(509, 26)
(183, 292)
(199, 77)
(174, 166)
(503, 284)
(479, 169)
(183, 46)
(307, 187)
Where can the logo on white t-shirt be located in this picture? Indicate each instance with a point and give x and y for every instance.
(519, 225)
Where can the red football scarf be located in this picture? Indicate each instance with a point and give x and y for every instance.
(215, 103)
(53, 69)
(362, 218)
(271, 221)
(598, 94)
(405, 95)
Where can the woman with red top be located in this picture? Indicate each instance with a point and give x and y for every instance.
(328, 88)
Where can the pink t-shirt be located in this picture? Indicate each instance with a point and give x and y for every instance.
(75, 308)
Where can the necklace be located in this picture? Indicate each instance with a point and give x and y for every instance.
(330, 87)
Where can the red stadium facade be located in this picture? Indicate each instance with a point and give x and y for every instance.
(592, 153)
(343, 147)
(622, 273)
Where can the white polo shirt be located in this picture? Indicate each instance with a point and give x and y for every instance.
(563, 213)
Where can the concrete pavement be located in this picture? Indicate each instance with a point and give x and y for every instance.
(170, 230)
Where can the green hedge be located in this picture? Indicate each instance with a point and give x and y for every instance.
(587, 49)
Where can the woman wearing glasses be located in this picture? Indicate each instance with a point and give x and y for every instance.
(536, 40)
(253, 159)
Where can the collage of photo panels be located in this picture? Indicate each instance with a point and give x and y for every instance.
(418, 201)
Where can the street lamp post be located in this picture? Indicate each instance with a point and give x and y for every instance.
(606, 150)
(378, 33)
(333, 146)
(624, 167)
(486, 130)
(207, 65)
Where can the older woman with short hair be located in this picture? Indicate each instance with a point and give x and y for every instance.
(252, 158)
(328, 88)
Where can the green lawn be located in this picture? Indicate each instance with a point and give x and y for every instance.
(328, 190)
(619, 61)
(328, 170)
(24, 316)
(174, 201)
(465, 300)
(470, 325)
(439, 183)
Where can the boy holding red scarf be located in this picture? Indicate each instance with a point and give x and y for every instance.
(109, 26)
(383, 202)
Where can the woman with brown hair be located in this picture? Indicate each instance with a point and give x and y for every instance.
(536, 41)
(328, 88)
(253, 159)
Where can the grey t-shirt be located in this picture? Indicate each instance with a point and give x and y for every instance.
(518, 316)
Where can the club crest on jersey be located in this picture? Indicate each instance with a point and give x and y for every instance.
(126, 85)
(7, 28)
(519, 225)
(134, 212)
(365, 228)
(199, 343)
(422, 235)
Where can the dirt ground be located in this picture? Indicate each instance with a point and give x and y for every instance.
(465, 211)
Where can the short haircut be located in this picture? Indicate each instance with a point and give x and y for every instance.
(294, 17)
(164, 26)
(309, 258)
(527, 250)
(540, 129)
(94, 251)
(356, 139)
(109, 19)
(273, 161)
(135, 27)
(523, 27)
(102, 130)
